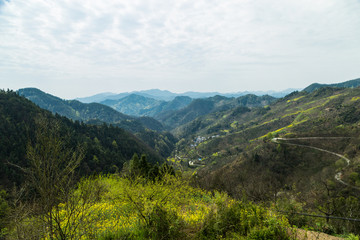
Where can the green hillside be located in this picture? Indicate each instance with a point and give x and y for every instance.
(203, 106)
(239, 156)
(325, 112)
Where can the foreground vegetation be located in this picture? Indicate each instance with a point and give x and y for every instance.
(111, 207)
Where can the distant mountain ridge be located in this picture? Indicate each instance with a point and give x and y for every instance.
(168, 96)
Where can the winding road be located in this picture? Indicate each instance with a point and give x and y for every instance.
(338, 175)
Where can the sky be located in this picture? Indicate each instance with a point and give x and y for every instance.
(77, 48)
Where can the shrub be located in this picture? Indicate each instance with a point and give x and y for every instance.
(163, 224)
(243, 219)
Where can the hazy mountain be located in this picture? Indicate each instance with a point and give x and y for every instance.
(157, 94)
(347, 84)
(93, 112)
(137, 105)
(168, 96)
(96, 98)
(133, 104)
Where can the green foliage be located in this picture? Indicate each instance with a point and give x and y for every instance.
(352, 237)
(244, 219)
(136, 168)
(354, 176)
(4, 211)
(119, 208)
(163, 224)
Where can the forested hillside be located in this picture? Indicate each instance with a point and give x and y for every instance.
(105, 147)
(98, 114)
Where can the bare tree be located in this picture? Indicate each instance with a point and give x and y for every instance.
(52, 163)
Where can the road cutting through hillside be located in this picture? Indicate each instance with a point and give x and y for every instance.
(338, 175)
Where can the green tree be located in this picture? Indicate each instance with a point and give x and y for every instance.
(144, 166)
(134, 166)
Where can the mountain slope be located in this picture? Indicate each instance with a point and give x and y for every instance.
(95, 98)
(347, 84)
(200, 107)
(71, 108)
(177, 103)
(231, 153)
(93, 112)
(138, 105)
(133, 104)
(106, 148)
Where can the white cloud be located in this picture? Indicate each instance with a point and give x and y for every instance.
(83, 47)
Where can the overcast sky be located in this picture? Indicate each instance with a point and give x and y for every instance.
(76, 48)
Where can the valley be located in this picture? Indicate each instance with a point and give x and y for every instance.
(296, 154)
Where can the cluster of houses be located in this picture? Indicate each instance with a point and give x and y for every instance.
(200, 139)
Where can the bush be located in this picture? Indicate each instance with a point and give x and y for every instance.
(274, 230)
(243, 219)
(163, 224)
(4, 209)
(352, 237)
